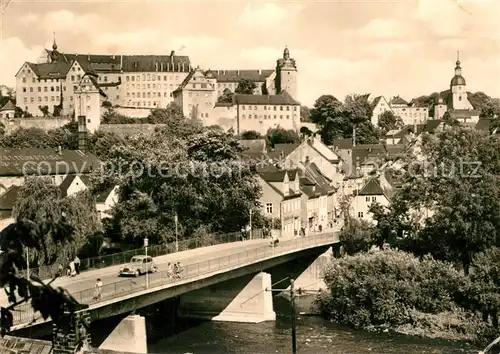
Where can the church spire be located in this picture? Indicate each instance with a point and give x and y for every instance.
(458, 68)
(54, 44)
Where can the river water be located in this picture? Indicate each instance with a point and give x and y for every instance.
(314, 335)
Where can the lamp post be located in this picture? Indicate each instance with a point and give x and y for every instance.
(176, 218)
(146, 242)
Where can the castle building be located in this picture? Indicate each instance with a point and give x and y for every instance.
(198, 94)
(132, 81)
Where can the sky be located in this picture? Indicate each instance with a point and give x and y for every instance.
(399, 47)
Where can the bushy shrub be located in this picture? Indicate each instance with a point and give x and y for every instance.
(384, 287)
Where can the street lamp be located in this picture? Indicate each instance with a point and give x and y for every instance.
(146, 242)
(176, 219)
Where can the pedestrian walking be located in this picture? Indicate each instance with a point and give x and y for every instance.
(59, 270)
(77, 265)
(170, 271)
(98, 289)
(72, 271)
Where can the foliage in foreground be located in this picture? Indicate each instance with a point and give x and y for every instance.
(396, 290)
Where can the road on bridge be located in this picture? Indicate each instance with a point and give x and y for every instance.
(109, 275)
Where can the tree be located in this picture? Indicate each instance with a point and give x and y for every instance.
(305, 114)
(282, 136)
(66, 137)
(250, 135)
(264, 89)
(57, 111)
(107, 104)
(44, 110)
(245, 86)
(389, 121)
(198, 176)
(43, 297)
(226, 97)
(305, 131)
(357, 237)
(458, 183)
(74, 217)
(328, 114)
(358, 111)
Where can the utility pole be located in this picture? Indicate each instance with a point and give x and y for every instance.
(294, 313)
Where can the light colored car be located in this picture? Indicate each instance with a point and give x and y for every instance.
(139, 265)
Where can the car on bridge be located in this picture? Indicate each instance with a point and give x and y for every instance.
(139, 265)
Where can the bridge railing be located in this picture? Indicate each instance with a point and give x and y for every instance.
(50, 271)
(24, 313)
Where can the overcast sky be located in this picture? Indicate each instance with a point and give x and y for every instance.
(405, 47)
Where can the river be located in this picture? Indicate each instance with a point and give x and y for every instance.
(314, 335)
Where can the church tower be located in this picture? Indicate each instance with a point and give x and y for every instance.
(458, 89)
(286, 75)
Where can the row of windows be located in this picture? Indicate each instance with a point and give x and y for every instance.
(45, 89)
(150, 77)
(143, 104)
(43, 99)
(287, 207)
(372, 199)
(149, 86)
(190, 94)
(268, 108)
(146, 94)
(265, 116)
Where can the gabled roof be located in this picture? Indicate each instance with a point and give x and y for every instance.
(431, 125)
(56, 70)
(235, 76)
(372, 187)
(65, 184)
(9, 106)
(283, 98)
(314, 174)
(463, 113)
(342, 144)
(285, 149)
(103, 195)
(9, 198)
(323, 150)
(273, 176)
(361, 152)
(398, 100)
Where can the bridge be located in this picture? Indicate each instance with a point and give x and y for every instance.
(225, 282)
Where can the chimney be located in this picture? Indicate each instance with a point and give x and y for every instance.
(156, 66)
(161, 66)
(172, 53)
(121, 62)
(113, 57)
(59, 150)
(308, 161)
(88, 57)
(178, 66)
(82, 133)
(183, 67)
(260, 72)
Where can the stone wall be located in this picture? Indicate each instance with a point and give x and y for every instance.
(133, 112)
(69, 330)
(42, 123)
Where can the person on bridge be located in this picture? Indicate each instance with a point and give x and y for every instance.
(77, 265)
(179, 270)
(98, 289)
(170, 270)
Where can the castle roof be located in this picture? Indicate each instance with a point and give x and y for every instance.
(129, 63)
(237, 75)
(457, 81)
(283, 98)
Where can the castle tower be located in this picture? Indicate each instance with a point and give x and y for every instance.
(458, 88)
(286, 75)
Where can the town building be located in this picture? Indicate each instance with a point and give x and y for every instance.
(409, 112)
(281, 199)
(88, 102)
(8, 110)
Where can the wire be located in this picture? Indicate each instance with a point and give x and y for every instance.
(260, 292)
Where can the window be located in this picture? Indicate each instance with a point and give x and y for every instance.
(269, 208)
(39, 89)
(274, 107)
(255, 107)
(243, 116)
(374, 199)
(287, 108)
(250, 107)
(24, 89)
(360, 214)
(281, 108)
(367, 199)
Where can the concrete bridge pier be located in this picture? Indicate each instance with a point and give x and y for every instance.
(129, 336)
(243, 299)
